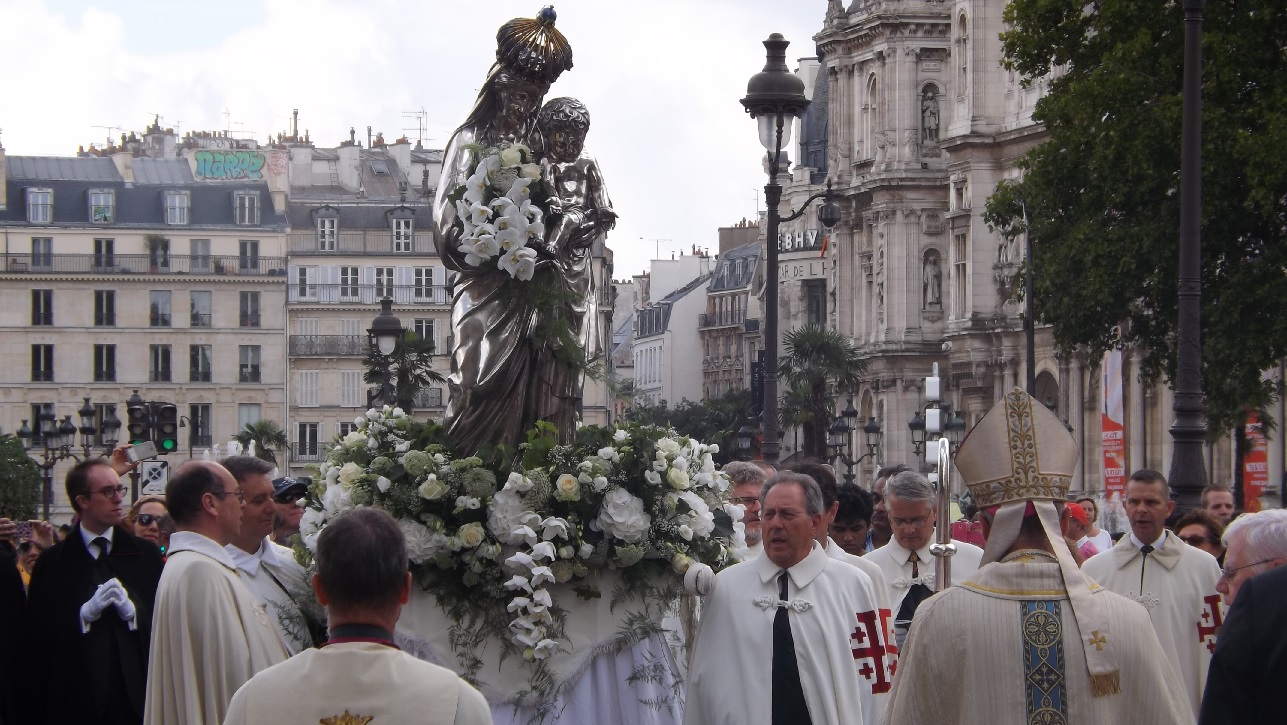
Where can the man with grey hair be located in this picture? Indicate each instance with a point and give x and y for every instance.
(879, 534)
(1254, 544)
(360, 676)
(747, 479)
(906, 560)
(778, 634)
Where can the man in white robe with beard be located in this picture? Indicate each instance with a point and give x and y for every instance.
(793, 658)
(1174, 581)
(1028, 638)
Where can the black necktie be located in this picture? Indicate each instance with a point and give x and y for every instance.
(1145, 550)
(102, 544)
(102, 572)
(789, 707)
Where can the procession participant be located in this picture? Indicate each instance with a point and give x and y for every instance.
(90, 608)
(1202, 529)
(1102, 540)
(209, 634)
(906, 560)
(268, 570)
(747, 479)
(1250, 656)
(1028, 638)
(359, 676)
(778, 640)
(1079, 530)
(1217, 500)
(879, 534)
(1257, 543)
(853, 519)
(287, 492)
(1174, 581)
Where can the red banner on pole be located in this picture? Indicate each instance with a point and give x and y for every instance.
(1255, 464)
(1113, 431)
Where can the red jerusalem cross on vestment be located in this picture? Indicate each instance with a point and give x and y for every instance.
(870, 645)
(1211, 616)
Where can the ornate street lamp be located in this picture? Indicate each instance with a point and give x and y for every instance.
(384, 335)
(774, 97)
(58, 442)
(840, 440)
(917, 427)
(745, 436)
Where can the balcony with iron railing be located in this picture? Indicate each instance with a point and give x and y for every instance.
(249, 319)
(249, 374)
(366, 294)
(727, 318)
(360, 242)
(327, 345)
(159, 375)
(429, 398)
(200, 441)
(303, 452)
(200, 319)
(245, 266)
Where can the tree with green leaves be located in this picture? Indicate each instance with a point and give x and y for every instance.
(1101, 196)
(19, 481)
(267, 436)
(816, 362)
(710, 421)
(409, 369)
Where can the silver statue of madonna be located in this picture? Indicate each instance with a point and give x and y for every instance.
(506, 371)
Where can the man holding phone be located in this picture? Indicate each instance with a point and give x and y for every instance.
(90, 607)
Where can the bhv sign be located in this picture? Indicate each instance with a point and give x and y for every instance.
(803, 240)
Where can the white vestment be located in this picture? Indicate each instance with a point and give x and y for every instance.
(838, 644)
(1179, 590)
(277, 581)
(1002, 647)
(892, 559)
(368, 681)
(209, 635)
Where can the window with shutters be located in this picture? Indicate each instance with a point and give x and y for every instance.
(306, 283)
(351, 389)
(306, 436)
(248, 413)
(306, 388)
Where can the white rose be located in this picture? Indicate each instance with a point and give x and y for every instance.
(567, 488)
(700, 518)
(349, 473)
(600, 484)
(432, 488)
(678, 478)
(686, 532)
(383, 484)
(585, 551)
(652, 477)
(512, 157)
(608, 453)
(566, 552)
(336, 499)
(622, 516)
(519, 482)
(620, 436)
(471, 535)
(531, 171)
(668, 446)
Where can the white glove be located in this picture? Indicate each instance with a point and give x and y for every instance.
(103, 598)
(124, 607)
(699, 580)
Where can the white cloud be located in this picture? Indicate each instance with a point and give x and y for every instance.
(662, 81)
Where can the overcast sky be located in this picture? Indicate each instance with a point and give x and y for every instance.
(662, 80)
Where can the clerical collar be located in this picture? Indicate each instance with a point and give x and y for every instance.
(345, 633)
(1135, 541)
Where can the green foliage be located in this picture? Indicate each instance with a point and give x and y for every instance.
(716, 420)
(20, 490)
(410, 368)
(816, 361)
(267, 436)
(1102, 195)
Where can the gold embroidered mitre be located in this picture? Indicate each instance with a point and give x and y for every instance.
(1019, 451)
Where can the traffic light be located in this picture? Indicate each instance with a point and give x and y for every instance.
(139, 427)
(165, 431)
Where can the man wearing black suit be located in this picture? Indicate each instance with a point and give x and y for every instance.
(1250, 656)
(13, 636)
(90, 607)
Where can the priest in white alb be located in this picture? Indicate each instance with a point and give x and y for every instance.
(1175, 582)
(209, 634)
(1028, 638)
(790, 637)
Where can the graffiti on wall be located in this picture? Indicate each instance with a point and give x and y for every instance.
(229, 165)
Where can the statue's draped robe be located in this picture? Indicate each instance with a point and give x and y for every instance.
(1002, 647)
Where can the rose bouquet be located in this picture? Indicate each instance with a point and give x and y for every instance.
(488, 541)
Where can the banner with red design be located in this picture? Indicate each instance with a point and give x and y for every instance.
(1255, 463)
(1112, 419)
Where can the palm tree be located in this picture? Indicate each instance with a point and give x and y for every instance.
(267, 436)
(814, 356)
(408, 369)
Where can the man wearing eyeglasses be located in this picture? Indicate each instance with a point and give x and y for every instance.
(747, 479)
(1251, 655)
(90, 607)
(1174, 581)
(211, 634)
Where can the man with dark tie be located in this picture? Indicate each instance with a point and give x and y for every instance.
(90, 608)
(789, 636)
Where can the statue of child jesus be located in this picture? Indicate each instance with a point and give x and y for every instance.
(579, 208)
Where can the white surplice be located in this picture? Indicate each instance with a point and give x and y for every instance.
(892, 559)
(1179, 591)
(836, 629)
(277, 580)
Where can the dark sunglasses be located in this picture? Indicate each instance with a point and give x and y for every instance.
(149, 519)
(1195, 540)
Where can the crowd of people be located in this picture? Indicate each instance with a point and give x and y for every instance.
(190, 607)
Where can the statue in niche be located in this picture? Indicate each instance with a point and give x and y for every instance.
(932, 282)
(929, 115)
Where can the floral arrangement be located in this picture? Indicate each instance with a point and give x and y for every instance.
(497, 213)
(489, 540)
